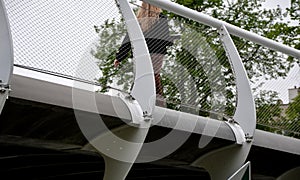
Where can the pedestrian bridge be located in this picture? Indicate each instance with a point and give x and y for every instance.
(67, 104)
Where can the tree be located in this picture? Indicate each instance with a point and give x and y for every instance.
(249, 15)
(196, 71)
(293, 116)
(259, 61)
(293, 111)
(294, 13)
(269, 112)
(110, 37)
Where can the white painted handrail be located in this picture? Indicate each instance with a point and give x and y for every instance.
(234, 30)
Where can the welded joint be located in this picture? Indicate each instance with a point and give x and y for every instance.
(231, 120)
(4, 90)
(129, 98)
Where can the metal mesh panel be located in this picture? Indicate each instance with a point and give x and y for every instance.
(194, 73)
(56, 36)
(80, 40)
(276, 112)
(196, 76)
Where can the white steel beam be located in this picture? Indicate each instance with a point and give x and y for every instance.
(57, 91)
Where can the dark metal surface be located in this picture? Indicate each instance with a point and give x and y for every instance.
(40, 141)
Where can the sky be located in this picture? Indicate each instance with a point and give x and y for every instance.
(293, 79)
(274, 3)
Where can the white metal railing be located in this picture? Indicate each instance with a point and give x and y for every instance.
(245, 115)
(213, 22)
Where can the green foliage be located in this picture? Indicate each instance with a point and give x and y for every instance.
(294, 30)
(249, 15)
(292, 123)
(111, 34)
(293, 111)
(258, 61)
(268, 109)
(294, 10)
(193, 64)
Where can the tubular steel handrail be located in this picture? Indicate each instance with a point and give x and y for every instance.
(216, 23)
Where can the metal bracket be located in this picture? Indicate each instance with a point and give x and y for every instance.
(4, 87)
(147, 116)
(140, 102)
(237, 131)
(135, 109)
(120, 154)
(240, 136)
(248, 138)
(4, 90)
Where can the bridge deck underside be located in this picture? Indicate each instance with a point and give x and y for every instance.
(36, 138)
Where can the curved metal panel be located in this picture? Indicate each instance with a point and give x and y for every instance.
(120, 154)
(245, 113)
(6, 50)
(144, 85)
(291, 174)
(6, 56)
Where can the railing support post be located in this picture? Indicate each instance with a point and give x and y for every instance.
(224, 162)
(140, 102)
(6, 54)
